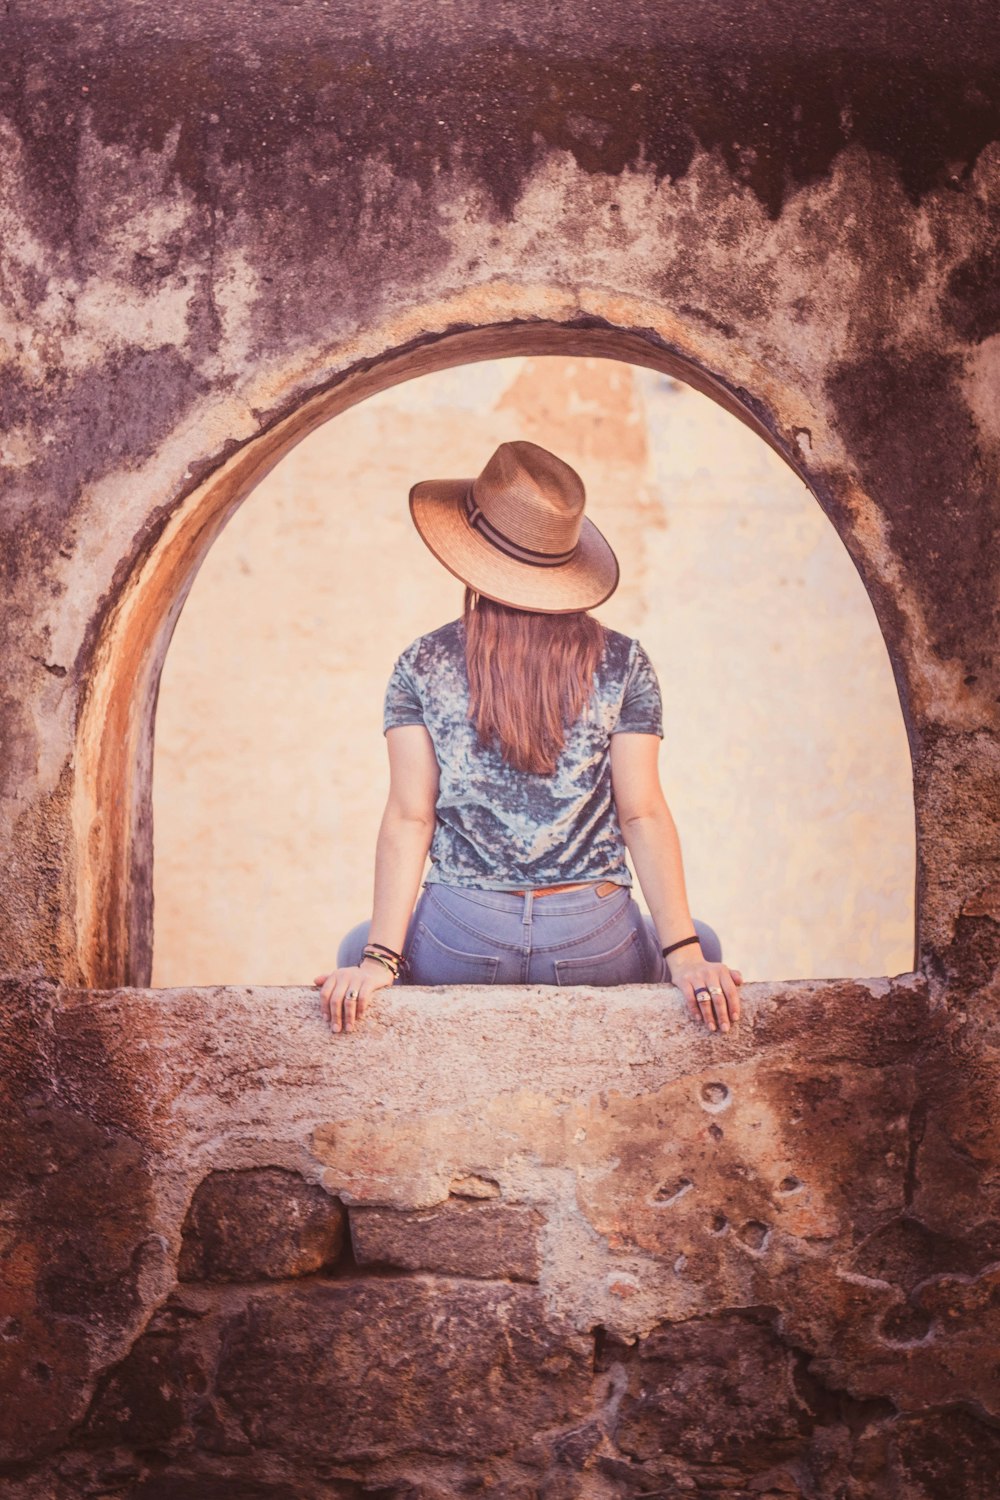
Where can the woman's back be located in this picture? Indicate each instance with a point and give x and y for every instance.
(501, 828)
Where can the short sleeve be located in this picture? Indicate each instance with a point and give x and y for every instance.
(402, 697)
(642, 705)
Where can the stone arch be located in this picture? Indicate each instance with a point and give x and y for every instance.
(113, 759)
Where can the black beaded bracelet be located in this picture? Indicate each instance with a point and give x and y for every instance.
(383, 949)
(682, 944)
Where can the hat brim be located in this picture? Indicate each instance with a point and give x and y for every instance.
(586, 580)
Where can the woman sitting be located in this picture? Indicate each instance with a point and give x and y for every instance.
(523, 740)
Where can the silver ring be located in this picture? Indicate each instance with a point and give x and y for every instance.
(715, 989)
(703, 990)
(351, 995)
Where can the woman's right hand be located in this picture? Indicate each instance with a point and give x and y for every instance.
(346, 992)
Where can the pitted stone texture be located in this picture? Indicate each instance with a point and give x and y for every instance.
(801, 1152)
(261, 1222)
(915, 1351)
(907, 1254)
(492, 1240)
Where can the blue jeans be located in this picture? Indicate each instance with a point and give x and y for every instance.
(462, 936)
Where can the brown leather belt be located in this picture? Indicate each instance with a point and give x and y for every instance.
(603, 889)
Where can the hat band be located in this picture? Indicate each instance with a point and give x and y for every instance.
(503, 543)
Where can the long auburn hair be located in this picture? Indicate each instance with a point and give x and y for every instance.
(530, 677)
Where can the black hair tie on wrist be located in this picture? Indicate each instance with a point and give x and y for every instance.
(682, 944)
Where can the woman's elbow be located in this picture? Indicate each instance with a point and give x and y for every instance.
(641, 815)
(409, 819)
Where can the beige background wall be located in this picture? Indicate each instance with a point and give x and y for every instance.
(785, 759)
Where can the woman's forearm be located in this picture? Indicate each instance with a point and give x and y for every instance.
(400, 853)
(653, 843)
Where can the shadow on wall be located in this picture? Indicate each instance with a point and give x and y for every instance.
(785, 759)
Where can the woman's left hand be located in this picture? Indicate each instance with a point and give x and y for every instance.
(719, 1009)
(346, 992)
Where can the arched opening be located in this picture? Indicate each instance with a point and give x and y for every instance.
(795, 811)
(114, 788)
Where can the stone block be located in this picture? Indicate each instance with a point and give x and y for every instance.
(714, 1391)
(264, 1222)
(492, 1240)
(357, 1370)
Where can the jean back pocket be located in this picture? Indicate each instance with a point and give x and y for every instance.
(431, 961)
(623, 964)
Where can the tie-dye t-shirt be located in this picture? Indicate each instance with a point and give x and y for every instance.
(499, 828)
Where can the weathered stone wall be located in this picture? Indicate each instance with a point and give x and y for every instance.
(587, 1251)
(513, 1240)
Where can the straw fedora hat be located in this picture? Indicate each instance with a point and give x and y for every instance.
(517, 533)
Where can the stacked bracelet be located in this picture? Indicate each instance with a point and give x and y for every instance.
(388, 957)
(682, 944)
